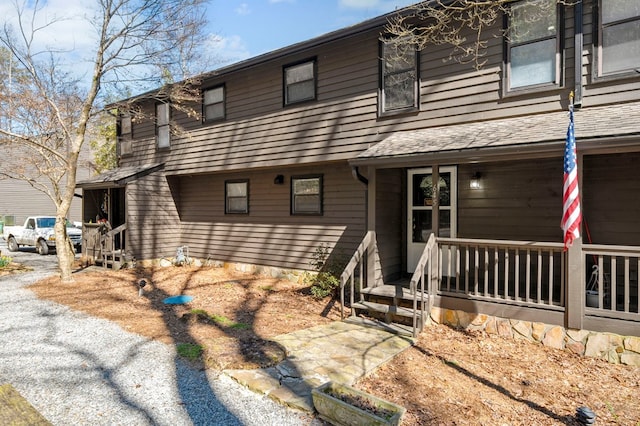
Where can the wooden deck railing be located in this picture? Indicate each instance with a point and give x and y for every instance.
(612, 281)
(515, 272)
(423, 283)
(358, 262)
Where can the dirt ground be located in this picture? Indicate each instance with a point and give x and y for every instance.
(450, 377)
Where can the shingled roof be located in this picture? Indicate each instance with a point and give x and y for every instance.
(526, 131)
(119, 176)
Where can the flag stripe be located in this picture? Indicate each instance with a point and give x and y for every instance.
(571, 213)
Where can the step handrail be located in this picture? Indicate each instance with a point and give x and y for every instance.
(348, 275)
(428, 263)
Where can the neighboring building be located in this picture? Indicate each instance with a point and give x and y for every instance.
(339, 137)
(19, 200)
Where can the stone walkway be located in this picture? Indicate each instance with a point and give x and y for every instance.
(341, 352)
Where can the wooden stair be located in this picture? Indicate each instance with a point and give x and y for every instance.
(390, 306)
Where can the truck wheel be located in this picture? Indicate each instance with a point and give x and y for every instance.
(12, 244)
(42, 248)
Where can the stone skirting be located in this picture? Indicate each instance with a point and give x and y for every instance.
(614, 348)
(295, 275)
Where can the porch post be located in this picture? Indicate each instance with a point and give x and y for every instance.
(575, 287)
(372, 254)
(435, 210)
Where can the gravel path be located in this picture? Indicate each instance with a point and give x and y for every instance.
(80, 370)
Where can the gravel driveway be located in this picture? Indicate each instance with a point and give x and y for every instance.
(79, 370)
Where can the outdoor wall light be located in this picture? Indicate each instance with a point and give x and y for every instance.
(279, 180)
(474, 183)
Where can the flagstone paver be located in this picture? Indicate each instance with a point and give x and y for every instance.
(340, 352)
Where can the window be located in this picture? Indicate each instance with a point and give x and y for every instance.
(237, 196)
(125, 135)
(533, 44)
(306, 195)
(213, 106)
(619, 36)
(399, 77)
(300, 82)
(163, 127)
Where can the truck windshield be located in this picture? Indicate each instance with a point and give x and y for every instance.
(46, 222)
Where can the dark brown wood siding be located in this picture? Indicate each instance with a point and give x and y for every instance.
(611, 208)
(390, 223)
(259, 131)
(269, 234)
(519, 200)
(153, 224)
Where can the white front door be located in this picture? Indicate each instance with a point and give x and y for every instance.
(420, 207)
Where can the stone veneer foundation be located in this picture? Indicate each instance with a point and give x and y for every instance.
(614, 348)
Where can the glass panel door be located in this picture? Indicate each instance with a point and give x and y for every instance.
(420, 209)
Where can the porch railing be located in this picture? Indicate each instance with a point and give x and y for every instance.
(355, 273)
(514, 272)
(612, 287)
(425, 277)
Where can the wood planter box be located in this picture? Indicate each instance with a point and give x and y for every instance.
(342, 405)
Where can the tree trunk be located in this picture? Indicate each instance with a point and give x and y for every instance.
(64, 249)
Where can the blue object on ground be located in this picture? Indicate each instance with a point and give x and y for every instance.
(178, 300)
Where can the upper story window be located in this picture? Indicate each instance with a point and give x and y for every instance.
(163, 125)
(399, 77)
(300, 82)
(125, 135)
(619, 37)
(306, 195)
(533, 53)
(237, 196)
(214, 104)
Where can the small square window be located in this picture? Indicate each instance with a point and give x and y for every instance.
(533, 46)
(163, 126)
(214, 104)
(300, 82)
(306, 195)
(619, 37)
(237, 197)
(399, 77)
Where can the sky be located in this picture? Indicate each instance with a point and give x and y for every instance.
(241, 29)
(237, 29)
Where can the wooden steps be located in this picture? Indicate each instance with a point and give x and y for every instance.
(391, 305)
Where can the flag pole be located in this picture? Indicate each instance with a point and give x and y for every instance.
(571, 222)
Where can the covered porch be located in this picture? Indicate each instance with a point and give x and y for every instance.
(468, 218)
(104, 214)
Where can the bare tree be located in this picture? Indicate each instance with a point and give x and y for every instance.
(135, 43)
(466, 26)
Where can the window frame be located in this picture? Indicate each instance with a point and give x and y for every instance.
(161, 127)
(597, 71)
(227, 207)
(382, 95)
(285, 93)
(317, 212)
(223, 102)
(558, 81)
(125, 137)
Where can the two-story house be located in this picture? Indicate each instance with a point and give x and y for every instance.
(413, 161)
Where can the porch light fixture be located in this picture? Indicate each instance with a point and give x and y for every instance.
(279, 180)
(474, 183)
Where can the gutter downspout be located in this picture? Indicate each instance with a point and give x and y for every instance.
(578, 46)
(356, 175)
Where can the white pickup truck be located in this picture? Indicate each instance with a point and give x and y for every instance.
(38, 232)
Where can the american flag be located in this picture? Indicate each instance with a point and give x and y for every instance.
(571, 215)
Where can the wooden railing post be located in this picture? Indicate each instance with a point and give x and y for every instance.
(575, 288)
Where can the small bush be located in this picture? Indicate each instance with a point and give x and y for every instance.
(324, 284)
(326, 281)
(4, 261)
